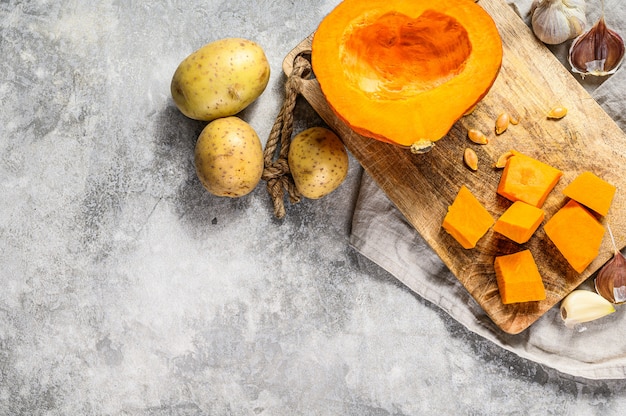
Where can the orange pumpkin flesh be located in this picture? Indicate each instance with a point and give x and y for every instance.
(518, 278)
(405, 71)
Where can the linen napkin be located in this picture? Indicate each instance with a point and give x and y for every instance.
(596, 350)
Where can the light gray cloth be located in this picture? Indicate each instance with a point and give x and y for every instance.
(596, 350)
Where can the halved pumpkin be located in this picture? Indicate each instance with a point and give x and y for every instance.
(405, 71)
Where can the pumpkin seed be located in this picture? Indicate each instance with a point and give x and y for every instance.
(471, 159)
(557, 113)
(502, 123)
(477, 136)
(470, 110)
(501, 162)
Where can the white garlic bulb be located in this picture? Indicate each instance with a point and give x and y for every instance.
(555, 21)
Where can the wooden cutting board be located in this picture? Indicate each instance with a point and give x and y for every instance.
(422, 187)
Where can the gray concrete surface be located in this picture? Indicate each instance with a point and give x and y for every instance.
(129, 290)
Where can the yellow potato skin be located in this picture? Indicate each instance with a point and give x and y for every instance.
(318, 162)
(229, 157)
(220, 79)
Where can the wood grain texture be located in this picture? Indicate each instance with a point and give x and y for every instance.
(530, 82)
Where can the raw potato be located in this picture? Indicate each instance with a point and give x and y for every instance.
(318, 162)
(229, 157)
(220, 79)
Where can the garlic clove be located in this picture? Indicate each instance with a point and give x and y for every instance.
(611, 279)
(582, 306)
(555, 21)
(599, 51)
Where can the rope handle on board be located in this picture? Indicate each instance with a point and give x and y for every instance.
(276, 167)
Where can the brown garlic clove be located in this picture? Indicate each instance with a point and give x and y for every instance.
(611, 279)
(599, 51)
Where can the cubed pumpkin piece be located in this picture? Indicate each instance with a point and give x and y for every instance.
(591, 191)
(519, 222)
(527, 179)
(518, 278)
(467, 219)
(576, 233)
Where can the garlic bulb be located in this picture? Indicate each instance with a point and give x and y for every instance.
(555, 21)
(599, 51)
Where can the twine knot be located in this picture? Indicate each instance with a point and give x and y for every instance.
(276, 165)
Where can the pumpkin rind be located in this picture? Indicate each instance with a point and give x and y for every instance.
(403, 71)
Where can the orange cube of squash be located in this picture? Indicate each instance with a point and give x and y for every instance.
(591, 191)
(519, 222)
(527, 179)
(576, 233)
(518, 278)
(467, 220)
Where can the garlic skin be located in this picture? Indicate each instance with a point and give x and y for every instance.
(555, 21)
(599, 51)
(611, 280)
(582, 306)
